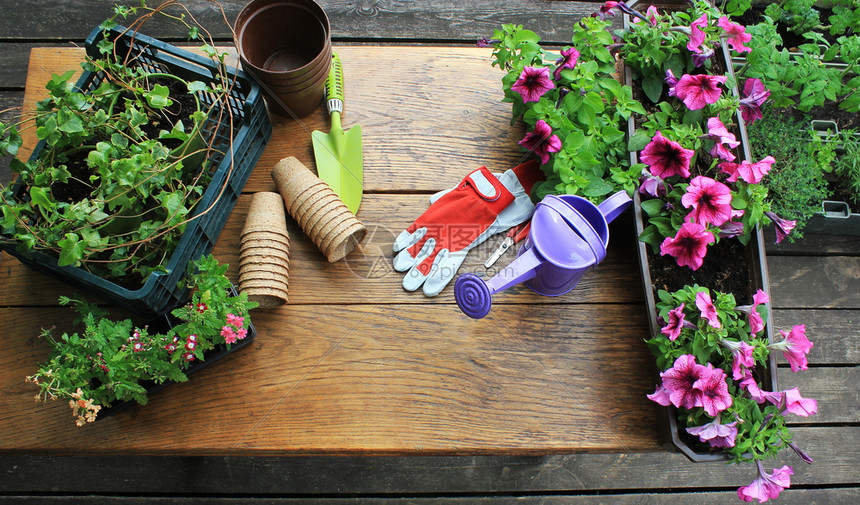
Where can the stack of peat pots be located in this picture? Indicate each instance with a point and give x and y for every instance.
(264, 254)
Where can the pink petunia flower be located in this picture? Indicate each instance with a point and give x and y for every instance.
(751, 386)
(711, 201)
(697, 91)
(568, 59)
(752, 173)
(715, 433)
(766, 485)
(742, 356)
(689, 245)
(731, 229)
(707, 309)
(782, 226)
(794, 346)
(697, 35)
(755, 320)
(724, 140)
(541, 141)
(794, 403)
(666, 157)
(661, 396)
(737, 35)
(680, 379)
(753, 97)
(714, 390)
(652, 14)
(533, 83)
(675, 324)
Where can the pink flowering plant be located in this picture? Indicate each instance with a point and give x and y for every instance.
(712, 353)
(697, 184)
(114, 361)
(573, 107)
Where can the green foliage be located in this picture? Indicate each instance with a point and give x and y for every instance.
(115, 184)
(114, 360)
(796, 182)
(762, 432)
(847, 165)
(587, 109)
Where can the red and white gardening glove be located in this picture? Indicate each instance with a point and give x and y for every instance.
(459, 219)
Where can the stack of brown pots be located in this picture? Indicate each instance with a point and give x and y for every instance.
(318, 210)
(264, 254)
(286, 46)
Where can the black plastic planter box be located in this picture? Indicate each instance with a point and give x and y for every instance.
(230, 170)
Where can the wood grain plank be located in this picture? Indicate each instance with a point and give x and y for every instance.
(815, 282)
(835, 465)
(371, 379)
(369, 20)
(835, 388)
(834, 333)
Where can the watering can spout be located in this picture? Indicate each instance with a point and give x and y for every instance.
(474, 295)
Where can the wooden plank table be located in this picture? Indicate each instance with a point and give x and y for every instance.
(354, 364)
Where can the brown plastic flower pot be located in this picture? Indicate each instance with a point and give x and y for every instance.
(286, 46)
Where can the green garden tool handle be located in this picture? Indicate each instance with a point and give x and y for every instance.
(334, 90)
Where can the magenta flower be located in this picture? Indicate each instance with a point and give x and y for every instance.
(650, 184)
(751, 173)
(755, 320)
(236, 321)
(796, 404)
(533, 83)
(767, 485)
(697, 91)
(679, 381)
(699, 59)
(228, 334)
(794, 346)
(731, 229)
(661, 396)
(782, 226)
(666, 157)
(652, 14)
(724, 140)
(753, 97)
(671, 81)
(711, 201)
(737, 35)
(707, 308)
(749, 384)
(714, 390)
(541, 141)
(675, 324)
(689, 245)
(716, 434)
(568, 59)
(697, 35)
(742, 356)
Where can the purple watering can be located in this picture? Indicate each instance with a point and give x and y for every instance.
(568, 236)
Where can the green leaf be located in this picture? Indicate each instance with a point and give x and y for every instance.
(652, 207)
(72, 250)
(653, 87)
(158, 97)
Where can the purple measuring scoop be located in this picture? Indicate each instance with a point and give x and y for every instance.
(568, 236)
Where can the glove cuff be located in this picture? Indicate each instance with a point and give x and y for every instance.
(529, 174)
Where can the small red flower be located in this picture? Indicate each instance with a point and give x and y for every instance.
(170, 348)
(189, 356)
(190, 345)
(201, 307)
(137, 347)
(192, 338)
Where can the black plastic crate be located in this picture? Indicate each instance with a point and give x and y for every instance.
(251, 132)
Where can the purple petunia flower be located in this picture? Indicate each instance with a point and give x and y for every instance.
(766, 485)
(753, 97)
(737, 35)
(675, 324)
(666, 157)
(716, 434)
(782, 226)
(689, 245)
(650, 184)
(724, 140)
(541, 141)
(707, 309)
(697, 35)
(714, 390)
(533, 83)
(671, 81)
(680, 379)
(699, 59)
(697, 91)
(711, 201)
(794, 346)
(731, 229)
(751, 173)
(568, 59)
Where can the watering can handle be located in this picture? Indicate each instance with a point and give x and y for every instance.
(613, 206)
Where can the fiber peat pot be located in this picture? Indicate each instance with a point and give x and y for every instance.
(229, 167)
(729, 266)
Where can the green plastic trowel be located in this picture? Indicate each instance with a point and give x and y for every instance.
(338, 153)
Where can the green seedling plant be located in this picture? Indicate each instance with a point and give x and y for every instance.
(112, 360)
(122, 165)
